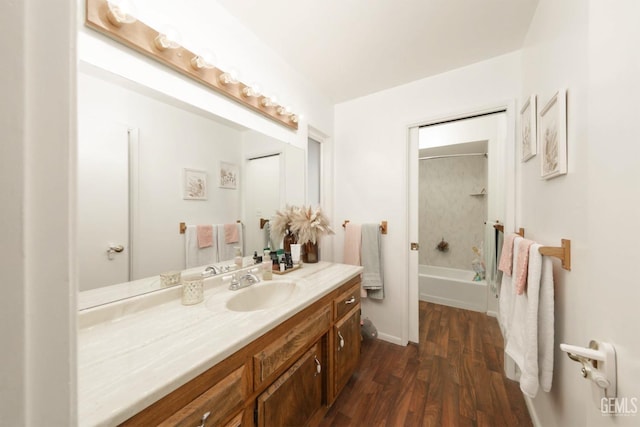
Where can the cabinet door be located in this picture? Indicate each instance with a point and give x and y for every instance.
(346, 334)
(296, 395)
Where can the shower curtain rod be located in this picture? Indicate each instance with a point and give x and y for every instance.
(452, 155)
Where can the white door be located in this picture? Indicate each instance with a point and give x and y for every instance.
(413, 236)
(103, 203)
(262, 189)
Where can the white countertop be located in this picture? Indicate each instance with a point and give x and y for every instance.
(133, 352)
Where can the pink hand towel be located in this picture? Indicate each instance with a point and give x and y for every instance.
(352, 243)
(204, 234)
(352, 247)
(523, 266)
(506, 258)
(231, 233)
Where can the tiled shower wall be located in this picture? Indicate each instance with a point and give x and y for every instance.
(448, 211)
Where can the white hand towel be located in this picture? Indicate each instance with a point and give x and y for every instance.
(546, 325)
(529, 380)
(371, 255)
(194, 256)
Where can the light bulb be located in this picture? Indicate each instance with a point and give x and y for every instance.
(167, 38)
(269, 101)
(120, 12)
(206, 59)
(230, 77)
(252, 90)
(283, 111)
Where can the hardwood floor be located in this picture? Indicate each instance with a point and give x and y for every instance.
(453, 378)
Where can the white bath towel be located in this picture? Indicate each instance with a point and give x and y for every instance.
(530, 340)
(371, 256)
(226, 250)
(194, 256)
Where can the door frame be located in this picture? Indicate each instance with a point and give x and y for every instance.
(507, 151)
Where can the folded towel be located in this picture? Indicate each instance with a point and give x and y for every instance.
(371, 256)
(226, 250)
(205, 235)
(523, 263)
(352, 245)
(194, 256)
(506, 258)
(231, 233)
(546, 324)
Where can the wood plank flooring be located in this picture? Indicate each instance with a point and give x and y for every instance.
(454, 377)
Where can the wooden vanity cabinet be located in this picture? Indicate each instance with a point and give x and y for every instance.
(288, 376)
(296, 396)
(346, 339)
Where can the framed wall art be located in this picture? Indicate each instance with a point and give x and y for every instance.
(194, 186)
(552, 124)
(528, 129)
(228, 175)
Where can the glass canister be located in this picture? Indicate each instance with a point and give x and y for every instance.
(192, 290)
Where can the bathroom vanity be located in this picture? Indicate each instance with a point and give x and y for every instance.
(149, 360)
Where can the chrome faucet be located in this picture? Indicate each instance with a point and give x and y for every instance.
(244, 281)
(212, 270)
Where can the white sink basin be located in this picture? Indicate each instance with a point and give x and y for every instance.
(263, 295)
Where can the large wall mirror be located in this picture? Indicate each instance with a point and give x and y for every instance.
(138, 150)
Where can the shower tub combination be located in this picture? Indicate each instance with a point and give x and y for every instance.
(452, 287)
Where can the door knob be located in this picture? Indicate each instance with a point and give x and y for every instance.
(114, 249)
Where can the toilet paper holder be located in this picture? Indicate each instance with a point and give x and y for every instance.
(598, 365)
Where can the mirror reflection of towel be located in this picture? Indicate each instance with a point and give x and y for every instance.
(194, 256)
(231, 233)
(205, 235)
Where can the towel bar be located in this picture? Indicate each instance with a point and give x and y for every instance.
(183, 226)
(563, 252)
(383, 226)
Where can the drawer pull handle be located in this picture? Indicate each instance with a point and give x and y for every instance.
(318, 366)
(341, 344)
(350, 300)
(204, 419)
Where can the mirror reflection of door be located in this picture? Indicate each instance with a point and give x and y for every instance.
(262, 190)
(103, 203)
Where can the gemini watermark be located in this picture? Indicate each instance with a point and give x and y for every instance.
(619, 406)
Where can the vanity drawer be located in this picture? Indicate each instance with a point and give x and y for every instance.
(282, 349)
(346, 301)
(220, 401)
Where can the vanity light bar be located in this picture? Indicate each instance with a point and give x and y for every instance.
(139, 36)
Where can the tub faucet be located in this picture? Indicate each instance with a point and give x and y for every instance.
(244, 281)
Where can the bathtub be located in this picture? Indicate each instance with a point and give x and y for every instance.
(452, 287)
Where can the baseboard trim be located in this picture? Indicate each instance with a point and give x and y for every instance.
(390, 338)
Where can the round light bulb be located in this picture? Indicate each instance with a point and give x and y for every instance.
(121, 12)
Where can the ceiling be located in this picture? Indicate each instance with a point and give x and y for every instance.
(351, 48)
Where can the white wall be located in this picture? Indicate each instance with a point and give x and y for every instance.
(590, 48)
(371, 139)
(37, 120)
